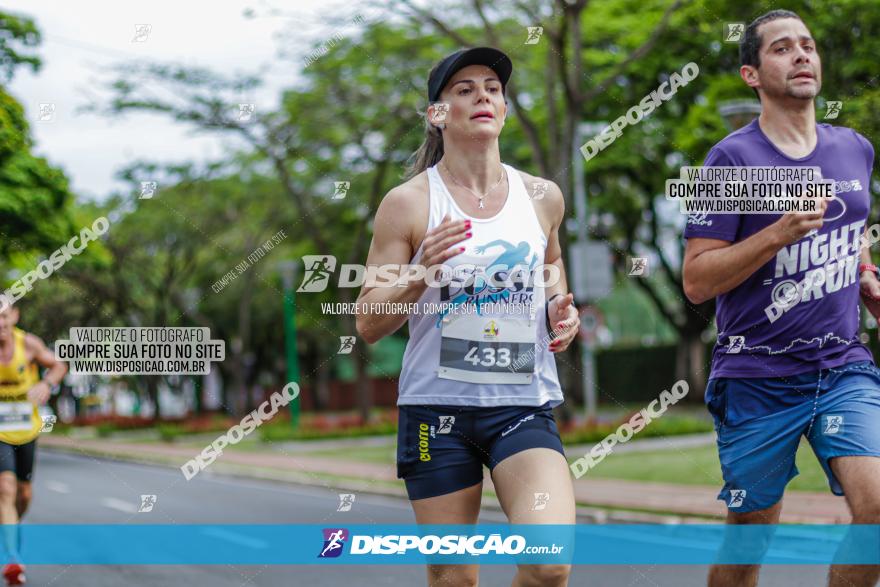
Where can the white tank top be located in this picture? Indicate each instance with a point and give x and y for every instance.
(476, 358)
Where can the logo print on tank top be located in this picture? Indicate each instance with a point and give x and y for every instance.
(499, 288)
(472, 285)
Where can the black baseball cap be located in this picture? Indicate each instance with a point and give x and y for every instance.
(488, 56)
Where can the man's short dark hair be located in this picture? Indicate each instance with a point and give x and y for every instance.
(750, 48)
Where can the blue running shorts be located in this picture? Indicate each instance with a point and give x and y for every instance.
(760, 421)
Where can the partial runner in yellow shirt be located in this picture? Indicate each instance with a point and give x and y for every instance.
(21, 393)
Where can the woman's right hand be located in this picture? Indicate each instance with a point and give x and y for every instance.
(441, 242)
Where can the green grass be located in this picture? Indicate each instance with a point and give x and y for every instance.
(672, 425)
(695, 466)
(281, 431)
(689, 466)
(372, 454)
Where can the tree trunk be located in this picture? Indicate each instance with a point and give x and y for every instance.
(240, 350)
(363, 385)
(364, 388)
(691, 364)
(225, 395)
(199, 406)
(250, 380)
(321, 386)
(153, 393)
(236, 392)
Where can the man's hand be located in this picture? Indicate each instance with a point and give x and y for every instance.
(793, 227)
(39, 393)
(564, 320)
(869, 287)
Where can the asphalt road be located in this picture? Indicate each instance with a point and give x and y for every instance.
(84, 490)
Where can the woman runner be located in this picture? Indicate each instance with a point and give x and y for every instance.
(478, 380)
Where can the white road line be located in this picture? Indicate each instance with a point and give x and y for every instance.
(118, 505)
(57, 487)
(236, 538)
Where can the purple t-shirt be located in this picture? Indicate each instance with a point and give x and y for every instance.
(821, 328)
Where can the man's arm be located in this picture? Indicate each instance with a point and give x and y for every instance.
(46, 358)
(713, 267)
(869, 285)
(39, 393)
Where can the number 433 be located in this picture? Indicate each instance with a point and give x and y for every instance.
(490, 357)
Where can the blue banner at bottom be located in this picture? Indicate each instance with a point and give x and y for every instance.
(605, 544)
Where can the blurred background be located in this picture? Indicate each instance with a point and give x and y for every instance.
(225, 141)
(201, 130)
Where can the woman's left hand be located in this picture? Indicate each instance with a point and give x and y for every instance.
(564, 320)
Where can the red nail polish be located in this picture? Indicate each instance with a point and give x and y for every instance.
(468, 235)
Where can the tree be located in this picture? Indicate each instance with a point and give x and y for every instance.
(595, 60)
(33, 194)
(330, 130)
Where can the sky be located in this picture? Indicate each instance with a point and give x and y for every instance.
(82, 39)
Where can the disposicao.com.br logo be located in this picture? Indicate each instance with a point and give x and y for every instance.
(320, 268)
(334, 541)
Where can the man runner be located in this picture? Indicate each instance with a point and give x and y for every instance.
(797, 368)
(21, 391)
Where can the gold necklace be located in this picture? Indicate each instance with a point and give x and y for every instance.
(472, 191)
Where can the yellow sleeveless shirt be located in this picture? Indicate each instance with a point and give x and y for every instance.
(16, 378)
